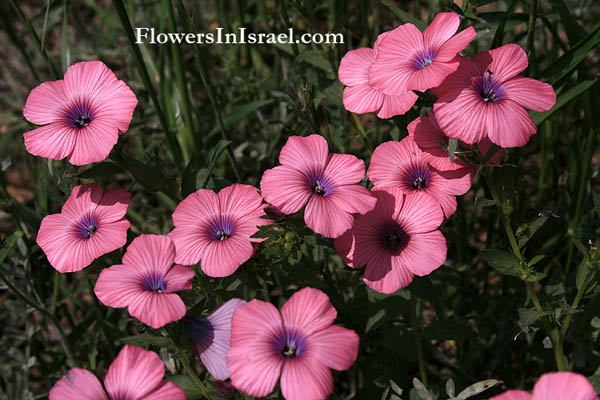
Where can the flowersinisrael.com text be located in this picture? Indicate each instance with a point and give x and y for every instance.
(241, 36)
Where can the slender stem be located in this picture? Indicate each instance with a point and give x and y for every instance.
(197, 381)
(531, 27)
(418, 344)
(55, 292)
(578, 297)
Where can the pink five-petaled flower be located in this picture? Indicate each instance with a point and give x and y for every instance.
(216, 228)
(359, 96)
(212, 337)
(398, 239)
(90, 224)
(300, 344)
(410, 60)
(402, 164)
(427, 135)
(83, 114)
(146, 282)
(135, 374)
(486, 98)
(327, 182)
(555, 386)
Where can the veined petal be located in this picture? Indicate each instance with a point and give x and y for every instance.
(354, 66)
(134, 374)
(153, 252)
(323, 215)
(563, 385)
(45, 103)
(335, 347)
(285, 188)
(530, 93)
(443, 26)
(424, 253)
(362, 99)
(238, 200)
(509, 124)
(157, 309)
(304, 153)
(308, 310)
(55, 141)
(94, 142)
(306, 379)
(397, 105)
(455, 44)
(77, 384)
(505, 62)
(514, 395)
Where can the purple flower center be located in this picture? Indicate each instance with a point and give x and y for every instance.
(393, 237)
(201, 331)
(220, 228)
(79, 114)
(86, 227)
(423, 58)
(417, 176)
(489, 88)
(154, 282)
(319, 183)
(289, 343)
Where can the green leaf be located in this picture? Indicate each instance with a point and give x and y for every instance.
(187, 384)
(404, 16)
(375, 319)
(101, 170)
(445, 329)
(563, 99)
(9, 243)
(503, 262)
(526, 231)
(527, 316)
(477, 388)
(145, 339)
(241, 111)
(315, 58)
(452, 145)
(536, 259)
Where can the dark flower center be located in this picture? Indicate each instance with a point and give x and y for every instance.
(393, 237)
(79, 114)
(417, 176)
(201, 331)
(154, 282)
(220, 228)
(289, 344)
(320, 184)
(86, 227)
(423, 58)
(489, 88)
(289, 351)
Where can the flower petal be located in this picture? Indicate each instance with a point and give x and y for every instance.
(134, 374)
(443, 26)
(82, 199)
(324, 216)
(430, 76)
(152, 252)
(397, 105)
(336, 347)
(45, 103)
(199, 206)
(345, 169)
(354, 66)
(119, 285)
(286, 188)
(222, 258)
(94, 142)
(77, 384)
(420, 213)
(385, 274)
(306, 379)
(113, 205)
(304, 153)
(509, 124)
(505, 62)
(179, 278)
(462, 116)
(238, 200)
(563, 385)
(455, 44)
(308, 310)
(167, 391)
(514, 395)
(157, 309)
(55, 141)
(424, 253)
(353, 199)
(362, 99)
(530, 93)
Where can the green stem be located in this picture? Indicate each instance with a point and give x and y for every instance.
(578, 297)
(199, 384)
(55, 292)
(418, 344)
(531, 28)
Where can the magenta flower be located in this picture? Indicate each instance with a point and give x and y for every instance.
(90, 224)
(427, 135)
(135, 374)
(216, 229)
(555, 386)
(83, 114)
(486, 98)
(326, 183)
(402, 164)
(360, 97)
(398, 239)
(146, 282)
(212, 336)
(300, 344)
(410, 60)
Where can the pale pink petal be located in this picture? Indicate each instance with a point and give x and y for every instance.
(455, 183)
(335, 347)
(446, 201)
(397, 105)
(94, 142)
(430, 76)
(179, 278)
(167, 391)
(354, 66)
(83, 198)
(455, 45)
(222, 258)
(457, 81)
(420, 213)
(77, 384)
(45, 103)
(424, 253)
(115, 105)
(362, 99)
(514, 395)
(563, 385)
(199, 206)
(247, 225)
(443, 26)
(285, 188)
(108, 237)
(462, 117)
(157, 309)
(505, 62)
(345, 169)
(386, 159)
(88, 79)
(530, 93)
(134, 374)
(113, 205)
(238, 200)
(153, 252)
(308, 310)
(306, 379)
(509, 124)
(190, 242)
(344, 245)
(119, 285)
(304, 153)
(353, 199)
(385, 274)
(252, 361)
(57, 243)
(323, 215)
(55, 141)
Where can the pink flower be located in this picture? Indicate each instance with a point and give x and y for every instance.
(555, 386)
(135, 374)
(427, 134)
(410, 60)
(300, 344)
(90, 224)
(146, 282)
(486, 98)
(360, 97)
(83, 114)
(212, 336)
(326, 183)
(403, 165)
(398, 239)
(216, 229)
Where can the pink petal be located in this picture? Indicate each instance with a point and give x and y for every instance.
(485, 146)
(306, 379)
(119, 285)
(353, 199)
(420, 213)
(94, 142)
(151, 252)
(308, 310)
(362, 99)
(179, 278)
(82, 199)
(324, 216)
(252, 361)
(563, 385)
(455, 183)
(455, 45)
(108, 237)
(505, 62)
(335, 347)
(238, 200)
(385, 274)
(530, 93)
(431, 76)
(77, 384)
(354, 66)
(397, 105)
(157, 309)
(247, 225)
(443, 26)
(190, 243)
(509, 124)
(113, 205)
(345, 169)
(424, 253)
(55, 141)
(344, 245)
(514, 395)
(285, 188)
(446, 201)
(304, 153)
(167, 391)
(462, 117)
(134, 374)
(457, 81)
(46, 103)
(115, 105)
(222, 258)
(199, 206)
(386, 159)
